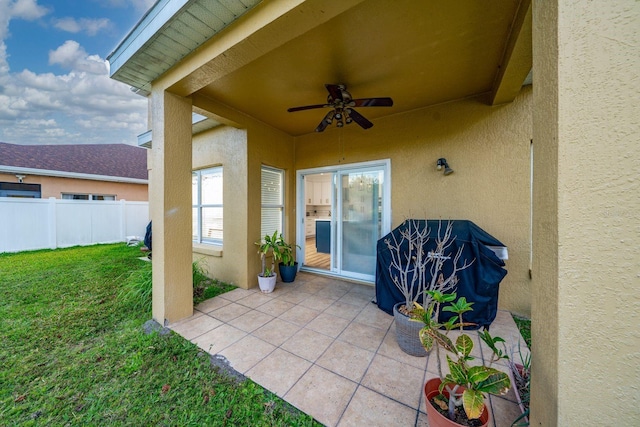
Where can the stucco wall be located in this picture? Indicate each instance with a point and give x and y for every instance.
(226, 147)
(55, 186)
(253, 144)
(585, 315)
(489, 150)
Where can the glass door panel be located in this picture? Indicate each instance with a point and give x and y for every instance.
(361, 222)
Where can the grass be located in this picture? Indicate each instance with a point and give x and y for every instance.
(73, 352)
(524, 325)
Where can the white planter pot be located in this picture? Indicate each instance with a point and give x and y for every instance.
(267, 284)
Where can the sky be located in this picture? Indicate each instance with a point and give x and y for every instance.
(54, 76)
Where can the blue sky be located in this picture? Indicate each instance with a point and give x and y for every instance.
(54, 81)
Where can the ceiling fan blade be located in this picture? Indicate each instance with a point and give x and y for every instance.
(326, 120)
(359, 119)
(307, 107)
(335, 91)
(373, 102)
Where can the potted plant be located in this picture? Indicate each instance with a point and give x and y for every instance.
(267, 276)
(288, 267)
(458, 397)
(521, 378)
(416, 272)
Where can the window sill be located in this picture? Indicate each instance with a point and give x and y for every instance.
(204, 249)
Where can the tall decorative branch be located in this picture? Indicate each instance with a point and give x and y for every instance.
(415, 272)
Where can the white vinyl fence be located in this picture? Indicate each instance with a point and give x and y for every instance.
(28, 224)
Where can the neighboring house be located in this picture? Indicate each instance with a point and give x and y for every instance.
(77, 172)
(549, 169)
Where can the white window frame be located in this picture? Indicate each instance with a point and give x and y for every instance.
(279, 205)
(197, 204)
(92, 197)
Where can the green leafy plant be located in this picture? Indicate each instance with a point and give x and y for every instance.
(268, 244)
(466, 384)
(285, 251)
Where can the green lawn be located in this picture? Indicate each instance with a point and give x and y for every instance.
(72, 352)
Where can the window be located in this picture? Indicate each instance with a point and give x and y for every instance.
(206, 192)
(74, 196)
(272, 200)
(19, 189)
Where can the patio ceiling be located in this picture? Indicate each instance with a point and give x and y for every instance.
(420, 53)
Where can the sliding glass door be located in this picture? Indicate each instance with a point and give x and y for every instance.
(361, 221)
(358, 216)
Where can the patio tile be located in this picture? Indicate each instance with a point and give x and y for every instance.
(344, 310)
(307, 344)
(356, 298)
(276, 332)
(392, 350)
(229, 312)
(299, 315)
(212, 304)
(503, 411)
(218, 339)
(247, 352)
(371, 315)
(279, 371)
(346, 360)
(395, 380)
(312, 287)
(295, 296)
(196, 326)
(363, 336)
(195, 315)
(322, 394)
(251, 320)
(255, 300)
(328, 324)
(237, 294)
(387, 411)
(275, 307)
(317, 302)
(333, 292)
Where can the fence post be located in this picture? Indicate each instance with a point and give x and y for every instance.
(123, 220)
(53, 223)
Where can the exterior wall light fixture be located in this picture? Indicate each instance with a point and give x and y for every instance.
(443, 162)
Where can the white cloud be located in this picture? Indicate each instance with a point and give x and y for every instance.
(89, 26)
(73, 57)
(27, 9)
(81, 106)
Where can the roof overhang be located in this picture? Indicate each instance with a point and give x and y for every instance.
(73, 175)
(168, 32)
(259, 58)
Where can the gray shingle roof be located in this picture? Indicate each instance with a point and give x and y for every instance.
(118, 160)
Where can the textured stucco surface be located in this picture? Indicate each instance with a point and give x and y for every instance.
(489, 150)
(586, 270)
(170, 211)
(227, 147)
(262, 145)
(55, 186)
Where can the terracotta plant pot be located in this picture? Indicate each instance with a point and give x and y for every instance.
(435, 418)
(407, 333)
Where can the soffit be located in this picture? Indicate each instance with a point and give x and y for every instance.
(168, 32)
(420, 53)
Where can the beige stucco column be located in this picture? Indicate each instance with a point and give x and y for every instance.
(170, 193)
(586, 272)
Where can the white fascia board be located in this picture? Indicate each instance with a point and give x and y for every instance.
(152, 22)
(76, 175)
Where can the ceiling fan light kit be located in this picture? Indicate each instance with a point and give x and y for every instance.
(341, 102)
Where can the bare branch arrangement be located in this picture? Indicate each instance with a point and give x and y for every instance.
(415, 272)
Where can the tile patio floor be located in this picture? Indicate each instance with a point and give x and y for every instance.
(323, 346)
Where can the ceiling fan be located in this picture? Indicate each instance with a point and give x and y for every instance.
(341, 103)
